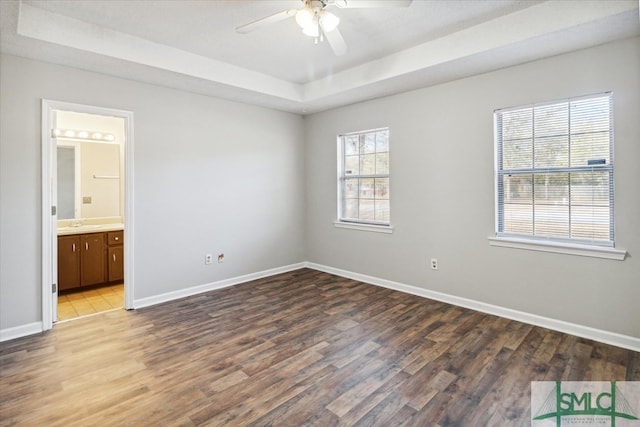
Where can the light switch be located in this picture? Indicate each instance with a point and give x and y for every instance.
(86, 200)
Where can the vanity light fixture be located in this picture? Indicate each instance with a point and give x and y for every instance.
(82, 134)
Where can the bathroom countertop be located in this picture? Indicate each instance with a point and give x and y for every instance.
(89, 228)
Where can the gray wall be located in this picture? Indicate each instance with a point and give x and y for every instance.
(260, 185)
(442, 192)
(210, 176)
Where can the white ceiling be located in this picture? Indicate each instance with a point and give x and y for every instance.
(193, 45)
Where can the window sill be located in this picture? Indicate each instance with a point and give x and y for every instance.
(364, 227)
(559, 248)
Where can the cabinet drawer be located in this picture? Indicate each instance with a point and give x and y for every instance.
(115, 238)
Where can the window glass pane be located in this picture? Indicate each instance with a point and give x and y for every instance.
(517, 124)
(518, 154)
(350, 145)
(552, 152)
(518, 218)
(367, 210)
(551, 220)
(551, 188)
(590, 115)
(366, 188)
(368, 143)
(368, 164)
(590, 188)
(351, 209)
(382, 210)
(590, 205)
(382, 141)
(551, 204)
(551, 120)
(382, 163)
(518, 189)
(382, 188)
(518, 204)
(590, 222)
(588, 147)
(351, 188)
(352, 165)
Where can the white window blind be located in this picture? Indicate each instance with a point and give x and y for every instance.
(554, 171)
(363, 177)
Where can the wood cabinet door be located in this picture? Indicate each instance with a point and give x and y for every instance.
(116, 263)
(68, 262)
(93, 258)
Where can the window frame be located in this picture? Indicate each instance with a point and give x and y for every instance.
(360, 224)
(546, 242)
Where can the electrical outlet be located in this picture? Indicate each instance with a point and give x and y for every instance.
(434, 263)
(220, 258)
(208, 259)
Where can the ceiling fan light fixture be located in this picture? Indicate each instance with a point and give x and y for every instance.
(312, 30)
(329, 21)
(304, 17)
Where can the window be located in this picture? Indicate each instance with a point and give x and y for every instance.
(554, 171)
(363, 182)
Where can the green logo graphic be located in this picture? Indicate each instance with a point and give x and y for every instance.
(610, 403)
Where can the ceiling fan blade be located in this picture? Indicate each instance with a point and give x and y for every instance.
(361, 4)
(336, 41)
(243, 29)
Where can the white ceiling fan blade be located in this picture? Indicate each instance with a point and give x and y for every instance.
(243, 29)
(361, 4)
(337, 43)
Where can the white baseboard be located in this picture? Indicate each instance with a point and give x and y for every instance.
(624, 341)
(36, 327)
(194, 290)
(20, 331)
(619, 340)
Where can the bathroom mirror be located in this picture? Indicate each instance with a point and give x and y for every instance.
(89, 183)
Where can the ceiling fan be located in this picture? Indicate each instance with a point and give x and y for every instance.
(319, 23)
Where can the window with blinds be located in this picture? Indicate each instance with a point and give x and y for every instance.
(554, 171)
(363, 177)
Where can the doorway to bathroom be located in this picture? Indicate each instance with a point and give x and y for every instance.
(87, 212)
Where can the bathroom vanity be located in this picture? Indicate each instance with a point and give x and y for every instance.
(90, 255)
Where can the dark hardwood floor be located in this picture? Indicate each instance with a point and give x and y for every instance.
(301, 348)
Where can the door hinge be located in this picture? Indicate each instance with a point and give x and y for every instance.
(54, 288)
(53, 210)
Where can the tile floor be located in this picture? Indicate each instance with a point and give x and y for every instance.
(73, 304)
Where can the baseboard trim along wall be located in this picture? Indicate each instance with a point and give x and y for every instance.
(37, 327)
(194, 290)
(20, 331)
(624, 341)
(619, 340)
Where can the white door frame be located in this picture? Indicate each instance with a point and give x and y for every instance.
(49, 219)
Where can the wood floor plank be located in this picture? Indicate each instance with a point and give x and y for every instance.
(303, 348)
